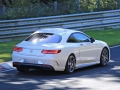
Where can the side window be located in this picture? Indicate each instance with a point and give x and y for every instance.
(71, 39)
(80, 37)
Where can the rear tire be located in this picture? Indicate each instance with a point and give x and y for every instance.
(104, 58)
(70, 65)
(21, 69)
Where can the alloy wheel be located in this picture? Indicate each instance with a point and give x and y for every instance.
(70, 66)
(104, 57)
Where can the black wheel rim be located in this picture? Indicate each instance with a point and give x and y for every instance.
(71, 63)
(104, 56)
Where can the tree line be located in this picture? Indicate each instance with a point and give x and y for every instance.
(25, 2)
(104, 3)
(13, 9)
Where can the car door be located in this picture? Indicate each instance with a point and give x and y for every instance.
(75, 48)
(87, 49)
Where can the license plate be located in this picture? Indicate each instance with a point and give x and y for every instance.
(32, 61)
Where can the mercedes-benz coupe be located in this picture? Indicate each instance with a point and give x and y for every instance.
(60, 50)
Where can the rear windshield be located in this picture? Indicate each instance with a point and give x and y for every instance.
(44, 38)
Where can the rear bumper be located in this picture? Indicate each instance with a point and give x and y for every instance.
(57, 63)
(34, 66)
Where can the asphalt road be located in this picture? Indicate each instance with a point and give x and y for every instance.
(90, 78)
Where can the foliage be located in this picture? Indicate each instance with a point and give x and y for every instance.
(88, 5)
(109, 4)
(39, 8)
(18, 3)
(68, 7)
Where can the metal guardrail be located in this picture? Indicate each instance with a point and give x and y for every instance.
(12, 29)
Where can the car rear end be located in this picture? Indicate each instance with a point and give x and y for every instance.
(39, 51)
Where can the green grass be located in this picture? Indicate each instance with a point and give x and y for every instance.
(112, 37)
(6, 50)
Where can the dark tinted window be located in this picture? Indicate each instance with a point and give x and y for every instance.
(44, 38)
(72, 39)
(78, 37)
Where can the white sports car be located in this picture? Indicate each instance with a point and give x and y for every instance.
(60, 50)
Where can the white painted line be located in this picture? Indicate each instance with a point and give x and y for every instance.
(115, 46)
(7, 70)
(7, 65)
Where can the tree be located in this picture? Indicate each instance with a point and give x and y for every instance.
(7, 2)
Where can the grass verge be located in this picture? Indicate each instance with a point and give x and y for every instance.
(6, 50)
(111, 36)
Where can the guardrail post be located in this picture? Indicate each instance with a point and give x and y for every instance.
(3, 10)
(98, 5)
(30, 9)
(0, 6)
(78, 6)
(55, 6)
(118, 4)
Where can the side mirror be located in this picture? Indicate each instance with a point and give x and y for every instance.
(92, 40)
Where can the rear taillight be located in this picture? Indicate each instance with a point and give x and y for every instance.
(17, 49)
(51, 51)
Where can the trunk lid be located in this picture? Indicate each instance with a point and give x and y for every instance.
(35, 49)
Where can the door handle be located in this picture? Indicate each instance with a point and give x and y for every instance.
(81, 44)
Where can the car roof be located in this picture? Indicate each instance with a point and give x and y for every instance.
(59, 31)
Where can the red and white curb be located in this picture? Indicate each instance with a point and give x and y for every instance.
(6, 66)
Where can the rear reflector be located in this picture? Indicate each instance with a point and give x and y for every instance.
(51, 51)
(18, 49)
